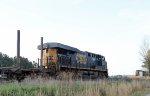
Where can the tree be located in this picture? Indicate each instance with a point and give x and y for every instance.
(145, 54)
(5, 60)
(35, 64)
(24, 62)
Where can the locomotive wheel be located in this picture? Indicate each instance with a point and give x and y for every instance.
(102, 75)
(76, 75)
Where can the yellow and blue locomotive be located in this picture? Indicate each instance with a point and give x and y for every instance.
(59, 57)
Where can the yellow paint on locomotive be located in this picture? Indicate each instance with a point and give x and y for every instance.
(49, 56)
(81, 58)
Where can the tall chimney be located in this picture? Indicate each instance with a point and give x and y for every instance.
(18, 48)
(41, 63)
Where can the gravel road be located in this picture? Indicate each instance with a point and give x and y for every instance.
(147, 95)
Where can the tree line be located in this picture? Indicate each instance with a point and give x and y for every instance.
(6, 61)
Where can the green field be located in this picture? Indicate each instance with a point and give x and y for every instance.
(46, 87)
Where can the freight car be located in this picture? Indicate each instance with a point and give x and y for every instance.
(57, 57)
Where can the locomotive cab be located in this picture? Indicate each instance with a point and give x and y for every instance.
(56, 54)
(49, 57)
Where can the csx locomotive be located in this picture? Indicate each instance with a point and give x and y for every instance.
(59, 57)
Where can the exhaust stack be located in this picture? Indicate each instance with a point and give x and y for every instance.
(41, 63)
(18, 48)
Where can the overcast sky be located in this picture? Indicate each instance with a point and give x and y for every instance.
(113, 28)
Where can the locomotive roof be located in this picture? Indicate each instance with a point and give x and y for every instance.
(94, 53)
(58, 45)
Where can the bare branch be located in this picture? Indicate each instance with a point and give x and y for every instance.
(144, 48)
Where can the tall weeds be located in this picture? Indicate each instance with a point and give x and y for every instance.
(46, 87)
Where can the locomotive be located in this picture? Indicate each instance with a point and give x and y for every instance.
(57, 57)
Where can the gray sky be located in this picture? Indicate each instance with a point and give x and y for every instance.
(113, 28)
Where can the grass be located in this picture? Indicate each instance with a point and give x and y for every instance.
(141, 92)
(43, 87)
